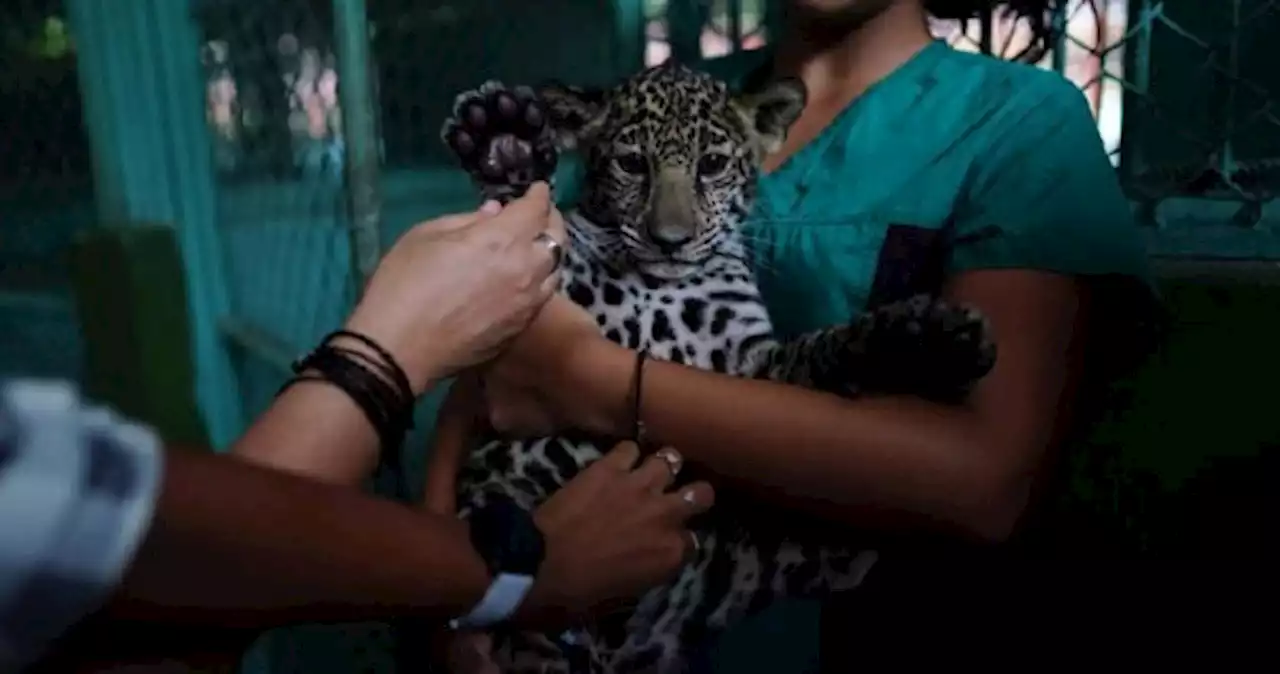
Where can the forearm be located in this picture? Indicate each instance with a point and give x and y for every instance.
(315, 430)
(449, 445)
(282, 549)
(883, 458)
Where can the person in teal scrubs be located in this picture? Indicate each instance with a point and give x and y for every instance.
(913, 168)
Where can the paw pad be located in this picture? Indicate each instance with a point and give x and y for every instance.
(501, 137)
(926, 346)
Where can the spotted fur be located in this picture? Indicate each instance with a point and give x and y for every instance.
(657, 257)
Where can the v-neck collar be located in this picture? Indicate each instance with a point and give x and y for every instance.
(790, 181)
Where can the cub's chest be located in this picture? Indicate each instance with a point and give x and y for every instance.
(706, 322)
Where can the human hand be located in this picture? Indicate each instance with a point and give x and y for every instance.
(612, 533)
(522, 388)
(452, 291)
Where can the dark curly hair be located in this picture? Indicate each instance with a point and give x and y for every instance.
(969, 9)
(1039, 15)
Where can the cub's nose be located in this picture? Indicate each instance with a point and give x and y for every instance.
(669, 240)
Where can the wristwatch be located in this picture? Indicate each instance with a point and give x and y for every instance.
(509, 542)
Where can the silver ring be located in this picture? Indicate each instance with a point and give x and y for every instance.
(671, 458)
(697, 543)
(552, 246)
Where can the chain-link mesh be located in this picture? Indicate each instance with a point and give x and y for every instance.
(1187, 82)
(275, 125)
(1203, 119)
(45, 189)
(1085, 43)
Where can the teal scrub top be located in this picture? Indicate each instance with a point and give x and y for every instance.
(954, 162)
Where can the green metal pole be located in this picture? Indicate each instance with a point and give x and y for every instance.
(360, 136)
(629, 20)
(1060, 37)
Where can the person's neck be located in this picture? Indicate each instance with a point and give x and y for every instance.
(838, 70)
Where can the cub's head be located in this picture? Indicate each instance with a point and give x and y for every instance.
(672, 158)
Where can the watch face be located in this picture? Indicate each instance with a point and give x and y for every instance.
(506, 537)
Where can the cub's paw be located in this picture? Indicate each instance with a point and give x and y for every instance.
(502, 139)
(922, 346)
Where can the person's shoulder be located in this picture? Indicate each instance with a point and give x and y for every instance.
(1014, 89)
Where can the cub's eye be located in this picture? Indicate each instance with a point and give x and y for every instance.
(633, 163)
(712, 164)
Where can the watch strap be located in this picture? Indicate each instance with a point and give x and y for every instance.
(505, 594)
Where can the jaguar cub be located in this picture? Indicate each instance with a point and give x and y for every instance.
(657, 255)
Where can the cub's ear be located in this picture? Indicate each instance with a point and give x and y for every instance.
(576, 115)
(770, 111)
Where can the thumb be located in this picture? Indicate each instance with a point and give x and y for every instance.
(623, 457)
(455, 221)
(528, 215)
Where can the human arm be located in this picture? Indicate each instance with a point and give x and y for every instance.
(446, 296)
(450, 441)
(91, 500)
(890, 461)
(882, 460)
(111, 517)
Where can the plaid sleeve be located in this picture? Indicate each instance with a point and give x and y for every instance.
(77, 491)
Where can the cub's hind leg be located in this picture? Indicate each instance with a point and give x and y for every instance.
(921, 346)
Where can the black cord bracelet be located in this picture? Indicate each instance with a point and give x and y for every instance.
(377, 385)
(638, 433)
(390, 366)
(389, 414)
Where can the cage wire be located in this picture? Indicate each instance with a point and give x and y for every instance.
(1203, 121)
(287, 229)
(46, 191)
(284, 218)
(1184, 81)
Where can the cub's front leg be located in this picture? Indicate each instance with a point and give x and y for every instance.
(921, 346)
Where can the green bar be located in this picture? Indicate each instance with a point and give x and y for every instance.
(360, 135)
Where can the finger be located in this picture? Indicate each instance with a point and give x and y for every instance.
(491, 207)
(659, 470)
(556, 226)
(690, 500)
(546, 290)
(692, 546)
(621, 458)
(528, 215)
(548, 255)
(553, 254)
(450, 222)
